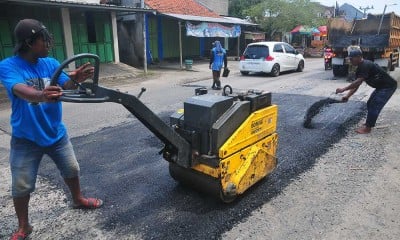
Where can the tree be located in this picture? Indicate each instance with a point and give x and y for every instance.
(280, 16)
(237, 7)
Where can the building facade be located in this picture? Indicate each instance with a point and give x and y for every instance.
(77, 26)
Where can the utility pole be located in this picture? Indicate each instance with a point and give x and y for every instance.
(144, 38)
(383, 15)
(365, 10)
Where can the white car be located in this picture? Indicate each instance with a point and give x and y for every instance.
(270, 57)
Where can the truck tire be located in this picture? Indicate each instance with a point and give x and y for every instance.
(340, 70)
(392, 66)
(335, 70)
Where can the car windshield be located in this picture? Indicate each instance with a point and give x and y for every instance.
(256, 52)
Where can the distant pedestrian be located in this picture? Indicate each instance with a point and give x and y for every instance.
(375, 77)
(218, 60)
(36, 119)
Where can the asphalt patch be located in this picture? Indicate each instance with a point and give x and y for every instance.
(316, 108)
(121, 165)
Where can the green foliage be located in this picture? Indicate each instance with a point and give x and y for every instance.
(280, 15)
(237, 7)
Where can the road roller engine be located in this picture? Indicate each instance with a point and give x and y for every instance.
(218, 144)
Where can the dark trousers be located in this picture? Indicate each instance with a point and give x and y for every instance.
(376, 102)
(216, 76)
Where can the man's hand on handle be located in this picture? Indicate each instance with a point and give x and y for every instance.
(51, 93)
(82, 73)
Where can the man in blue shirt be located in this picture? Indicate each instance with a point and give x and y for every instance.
(36, 118)
(218, 60)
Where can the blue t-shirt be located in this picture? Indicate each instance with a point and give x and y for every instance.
(219, 56)
(37, 122)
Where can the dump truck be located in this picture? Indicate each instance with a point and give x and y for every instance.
(377, 35)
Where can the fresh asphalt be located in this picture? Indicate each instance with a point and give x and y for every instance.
(121, 165)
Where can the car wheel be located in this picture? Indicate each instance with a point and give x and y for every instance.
(391, 66)
(244, 73)
(300, 67)
(275, 70)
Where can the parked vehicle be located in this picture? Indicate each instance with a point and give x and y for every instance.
(270, 57)
(328, 54)
(377, 36)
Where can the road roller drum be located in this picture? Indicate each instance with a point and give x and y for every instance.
(233, 140)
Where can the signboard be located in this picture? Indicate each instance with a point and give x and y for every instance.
(205, 29)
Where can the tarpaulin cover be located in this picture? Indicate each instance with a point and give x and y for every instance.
(367, 41)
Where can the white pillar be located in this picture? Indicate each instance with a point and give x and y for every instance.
(180, 43)
(144, 44)
(115, 36)
(69, 45)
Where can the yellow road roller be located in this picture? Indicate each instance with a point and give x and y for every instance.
(221, 144)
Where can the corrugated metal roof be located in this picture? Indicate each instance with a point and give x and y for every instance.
(228, 20)
(187, 7)
(71, 4)
(240, 21)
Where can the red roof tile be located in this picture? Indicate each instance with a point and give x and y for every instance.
(186, 7)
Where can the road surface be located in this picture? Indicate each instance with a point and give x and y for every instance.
(325, 175)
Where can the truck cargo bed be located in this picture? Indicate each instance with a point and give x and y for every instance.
(341, 32)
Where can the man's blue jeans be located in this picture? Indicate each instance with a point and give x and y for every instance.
(25, 157)
(376, 102)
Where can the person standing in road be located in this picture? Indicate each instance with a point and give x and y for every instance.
(375, 77)
(352, 69)
(36, 119)
(218, 60)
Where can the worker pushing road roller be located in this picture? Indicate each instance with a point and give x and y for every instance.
(219, 144)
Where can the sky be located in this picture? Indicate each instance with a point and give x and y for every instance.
(378, 5)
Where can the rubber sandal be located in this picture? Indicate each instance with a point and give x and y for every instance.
(20, 235)
(90, 203)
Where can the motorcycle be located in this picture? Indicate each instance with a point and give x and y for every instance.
(328, 54)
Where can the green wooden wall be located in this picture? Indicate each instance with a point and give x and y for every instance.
(190, 45)
(102, 45)
(170, 39)
(6, 40)
(170, 33)
(153, 37)
(11, 14)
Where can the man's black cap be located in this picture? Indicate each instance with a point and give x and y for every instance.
(355, 53)
(25, 30)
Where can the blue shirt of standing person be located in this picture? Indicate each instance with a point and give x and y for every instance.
(218, 60)
(37, 122)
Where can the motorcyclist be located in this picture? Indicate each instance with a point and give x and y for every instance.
(328, 54)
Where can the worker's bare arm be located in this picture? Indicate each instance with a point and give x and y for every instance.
(30, 94)
(353, 86)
